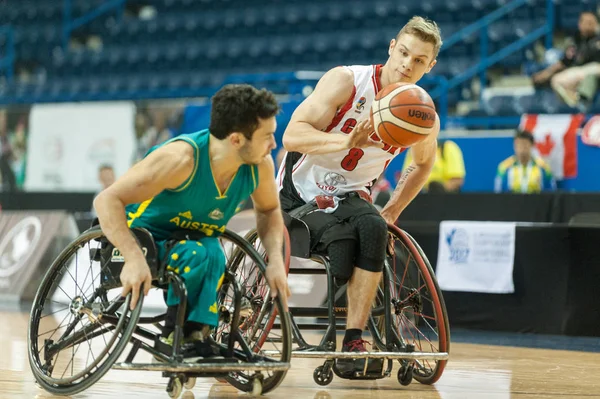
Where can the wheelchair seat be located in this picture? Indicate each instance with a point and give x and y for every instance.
(299, 236)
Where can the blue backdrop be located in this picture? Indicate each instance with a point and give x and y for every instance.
(481, 154)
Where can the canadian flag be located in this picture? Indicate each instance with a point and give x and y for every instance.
(591, 132)
(555, 141)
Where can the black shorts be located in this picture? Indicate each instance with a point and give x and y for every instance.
(326, 228)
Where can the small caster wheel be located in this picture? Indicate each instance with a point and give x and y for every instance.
(405, 375)
(321, 377)
(190, 382)
(257, 387)
(174, 387)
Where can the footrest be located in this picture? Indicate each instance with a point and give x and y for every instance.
(310, 348)
(212, 367)
(363, 355)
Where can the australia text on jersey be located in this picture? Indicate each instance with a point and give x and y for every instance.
(206, 228)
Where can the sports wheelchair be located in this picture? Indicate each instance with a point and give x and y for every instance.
(79, 308)
(408, 321)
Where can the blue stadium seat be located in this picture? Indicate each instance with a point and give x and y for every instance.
(189, 39)
(501, 105)
(553, 104)
(529, 104)
(457, 65)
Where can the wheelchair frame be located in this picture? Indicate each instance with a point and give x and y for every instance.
(392, 349)
(242, 358)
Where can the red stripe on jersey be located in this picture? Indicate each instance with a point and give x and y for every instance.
(338, 117)
(299, 163)
(376, 78)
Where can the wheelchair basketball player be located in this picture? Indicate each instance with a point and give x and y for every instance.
(193, 183)
(332, 162)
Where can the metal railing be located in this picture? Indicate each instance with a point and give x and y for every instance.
(296, 81)
(70, 24)
(487, 60)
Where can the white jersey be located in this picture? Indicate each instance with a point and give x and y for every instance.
(341, 172)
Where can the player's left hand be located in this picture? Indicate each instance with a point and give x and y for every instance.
(278, 282)
(359, 137)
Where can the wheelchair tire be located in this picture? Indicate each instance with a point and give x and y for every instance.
(425, 295)
(245, 258)
(123, 320)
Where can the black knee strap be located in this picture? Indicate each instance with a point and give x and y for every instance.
(341, 256)
(372, 240)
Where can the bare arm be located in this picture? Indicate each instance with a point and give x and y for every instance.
(304, 133)
(546, 74)
(269, 224)
(166, 168)
(414, 176)
(269, 221)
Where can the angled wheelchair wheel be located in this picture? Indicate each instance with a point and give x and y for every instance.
(418, 313)
(263, 324)
(78, 326)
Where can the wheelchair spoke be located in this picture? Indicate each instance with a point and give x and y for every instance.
(415, 311)
(53, 331)
(254, 330)
(55, 312)
(90, 270)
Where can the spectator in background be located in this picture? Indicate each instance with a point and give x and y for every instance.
(524, 172)
(581, 60)
(9, 181)
(576, 46)
(18, 143)
(150, 130)
(448, 173)
(106, 176)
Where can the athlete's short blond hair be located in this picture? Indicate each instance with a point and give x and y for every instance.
(426, 30)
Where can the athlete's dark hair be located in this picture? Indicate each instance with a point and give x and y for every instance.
(237, 108)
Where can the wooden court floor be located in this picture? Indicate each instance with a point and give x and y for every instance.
(474, 371)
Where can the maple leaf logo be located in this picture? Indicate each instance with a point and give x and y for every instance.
(546, 146)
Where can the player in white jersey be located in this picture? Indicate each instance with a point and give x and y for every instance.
(333, 159)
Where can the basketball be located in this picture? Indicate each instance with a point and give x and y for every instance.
(402, 114)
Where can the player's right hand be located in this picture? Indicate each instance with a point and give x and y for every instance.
(278, 283)
(359, 137)
(135, 275)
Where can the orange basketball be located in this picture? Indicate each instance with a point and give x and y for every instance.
(402, 114)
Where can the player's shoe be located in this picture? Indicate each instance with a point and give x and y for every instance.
(350, 367)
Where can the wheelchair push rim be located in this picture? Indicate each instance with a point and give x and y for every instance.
(245, 262)
(418, 313)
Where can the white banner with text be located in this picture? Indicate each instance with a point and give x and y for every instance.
(69, 142)
(476, 256)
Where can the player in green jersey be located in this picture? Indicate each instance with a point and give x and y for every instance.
(194, 183)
